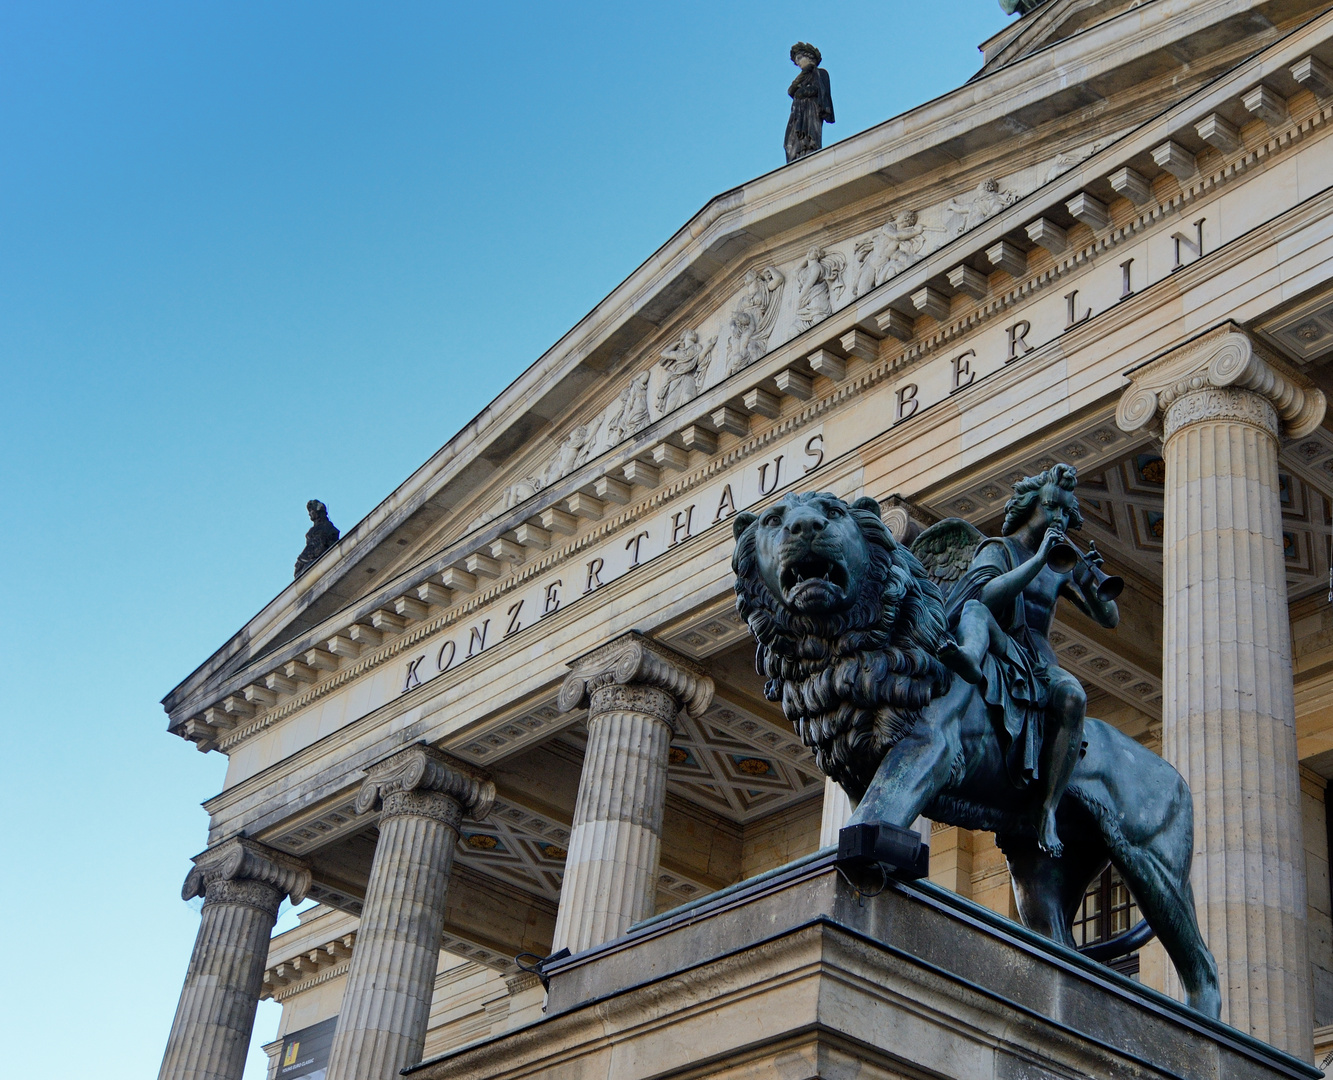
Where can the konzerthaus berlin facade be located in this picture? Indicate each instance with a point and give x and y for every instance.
(513, 710)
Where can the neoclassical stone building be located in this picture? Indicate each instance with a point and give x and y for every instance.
(513, 711)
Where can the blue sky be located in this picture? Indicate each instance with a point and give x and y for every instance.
(252, 254)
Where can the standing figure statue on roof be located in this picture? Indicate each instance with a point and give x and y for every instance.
(321, 536)
(811, 103)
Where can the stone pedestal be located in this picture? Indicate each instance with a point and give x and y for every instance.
(797, 974)
(386, 1005)
(1228, 713)
(242, 883)
(633, 690)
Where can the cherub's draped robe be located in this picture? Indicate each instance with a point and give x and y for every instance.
(1016, 682)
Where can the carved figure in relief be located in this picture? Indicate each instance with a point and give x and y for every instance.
(853, 635)
(1064, 162)
(811, 103)
(629, 415)
(963, 214)
(752, 321)
(818, 284)
(685, 365)
(321, 536)
(574, 451)
(887, 251)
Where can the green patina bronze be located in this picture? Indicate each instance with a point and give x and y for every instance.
(928, 686)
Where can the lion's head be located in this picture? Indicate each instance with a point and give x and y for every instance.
(847, 625)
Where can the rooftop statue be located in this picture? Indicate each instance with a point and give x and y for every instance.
(1020, 6)
(925, 683)
(811, 103)
(321, 536)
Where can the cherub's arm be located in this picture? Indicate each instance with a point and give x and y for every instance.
(1002, 591)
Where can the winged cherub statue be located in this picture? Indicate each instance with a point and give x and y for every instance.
(1000, 608)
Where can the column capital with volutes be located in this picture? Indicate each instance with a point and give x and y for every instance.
(421, 778)
(634, 660)
(245, 871)
(1203, 379)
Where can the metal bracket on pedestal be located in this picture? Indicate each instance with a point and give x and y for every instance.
(899, 851)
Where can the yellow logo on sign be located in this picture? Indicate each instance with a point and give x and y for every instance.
(292, 1052)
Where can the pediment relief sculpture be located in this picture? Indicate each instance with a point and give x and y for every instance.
(685, 367)
(630, 413)
(754, 317)
(818, 284)
(766, 314)
(887, 251)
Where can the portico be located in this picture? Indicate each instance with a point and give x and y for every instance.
(514, 711)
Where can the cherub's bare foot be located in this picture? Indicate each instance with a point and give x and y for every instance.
(1048, 839)
(955, 659)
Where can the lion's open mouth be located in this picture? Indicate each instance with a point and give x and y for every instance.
(813, 569)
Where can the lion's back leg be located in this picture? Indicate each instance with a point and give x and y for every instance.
(1157, 874)
(1145, 813)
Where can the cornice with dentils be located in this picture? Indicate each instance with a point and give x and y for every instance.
(743, 218)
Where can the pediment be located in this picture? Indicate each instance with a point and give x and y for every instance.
(615, 406)
(1046, 24)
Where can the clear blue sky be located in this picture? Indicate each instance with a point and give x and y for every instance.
(252, 254)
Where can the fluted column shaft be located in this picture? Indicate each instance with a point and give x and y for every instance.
(386, 1004)
(242, 884)
(1228, 724)
(610, 877)
(1229, 711)
(634, 689)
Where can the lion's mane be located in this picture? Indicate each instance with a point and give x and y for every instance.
(853, 683)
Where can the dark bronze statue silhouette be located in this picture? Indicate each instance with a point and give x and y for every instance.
(811, 103)
(321, 536)
(859, 643)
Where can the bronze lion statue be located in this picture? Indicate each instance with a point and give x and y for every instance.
(850, 628)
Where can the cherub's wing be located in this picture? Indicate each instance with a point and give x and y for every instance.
(946, 550)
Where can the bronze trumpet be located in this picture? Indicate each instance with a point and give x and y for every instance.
(1063, 556)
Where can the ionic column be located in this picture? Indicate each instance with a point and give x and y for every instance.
(1228, 709)
(386, 1005)
(242, 883)
(634, 690)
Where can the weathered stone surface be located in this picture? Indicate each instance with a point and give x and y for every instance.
(798, 974)
(1228, 705)
(242, 883)
(634, 690)
(386, 1006)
